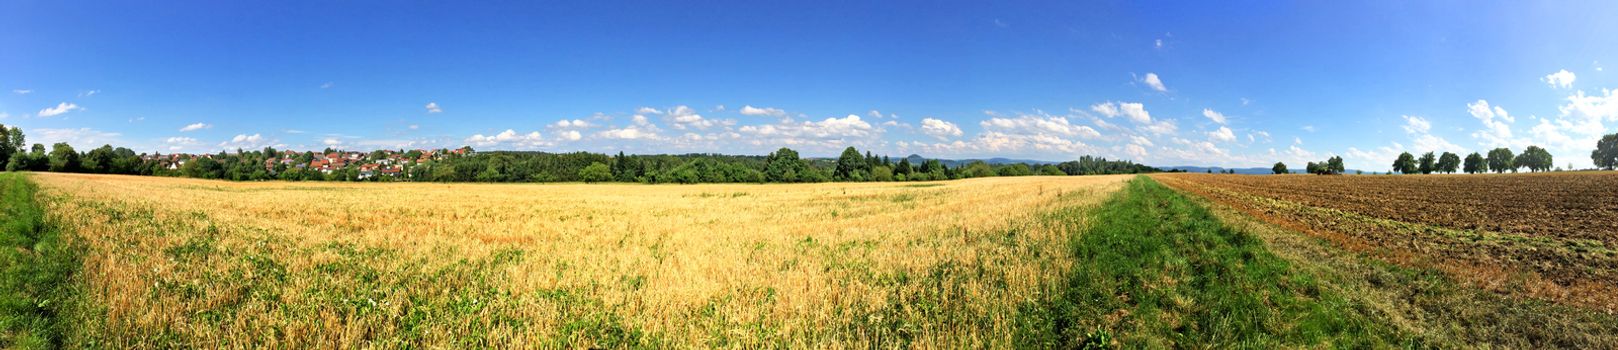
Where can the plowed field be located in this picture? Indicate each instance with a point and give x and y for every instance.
(1548, 236)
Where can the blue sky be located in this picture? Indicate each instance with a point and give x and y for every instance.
(1164, 83)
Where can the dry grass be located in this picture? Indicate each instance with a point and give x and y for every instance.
(220, 264)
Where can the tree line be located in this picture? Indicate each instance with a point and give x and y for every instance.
(782, 166)
(1331, 166)
(1498, 160)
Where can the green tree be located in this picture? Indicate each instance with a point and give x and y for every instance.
(1279, 168)
(63, 158)
(1018, 169)
(978, 169)
(881, 173)
(596, 172)
(850, 165)
(1475, 164)
(1405, 164)
(99, 160)
(783, 165)
(1427, 163)
(904, 167)
(1334, 165)
(1605, 155)
(202, 167)
(6, 147)
(1535, 159)
(1051, 170)
(1448, 162)
(1500, 160)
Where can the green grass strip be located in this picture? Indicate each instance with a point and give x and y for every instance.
(1156, 270)
(37, 267)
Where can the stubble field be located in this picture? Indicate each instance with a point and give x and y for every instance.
(1546, 236)
(191, 263)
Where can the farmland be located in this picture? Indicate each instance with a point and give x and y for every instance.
(1198, 260)
(181, 262)
(1536, 237)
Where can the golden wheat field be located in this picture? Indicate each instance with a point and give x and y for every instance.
(197, 263)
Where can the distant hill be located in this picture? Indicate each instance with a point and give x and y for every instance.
(1243, 171)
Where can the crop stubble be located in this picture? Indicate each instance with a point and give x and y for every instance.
(1546, 235)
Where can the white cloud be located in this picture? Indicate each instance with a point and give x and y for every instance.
(1496, 124)
(1380, 155)
(1581, 122)
(82, 138)
(1309, 128)
(1223, 134)
(850, 126)
(830, 133)
(508, 137)
(628, 133)
(641, 129)
(88, 93)
(326, 85)
(1133, 110)
(432, 107)
(61, 108)
(755, 111)
(331, 142)
(1107, 109)
(1140, 140)
(1038, 125)
(1562, 79)
(179, 143)
(244, 141)
(22, 91)
(1214, 116)
(414, 127)
(575, 123)
(1154, 82)
(1416, 125)
(647, 110)
(685, 117)
(1157, 44)
(1161, 127)
(939, 128)
(1254, 136)
(571, 135)
(4, 115)
(195, 127)
(1135, 151)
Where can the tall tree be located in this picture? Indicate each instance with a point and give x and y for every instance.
(1535, 159)
(850, 165)
(63, 158)
(783, 165)
(1606, 153)
(1500, 160)
(1448, 162)
(1405, 164)
(1475, 164)
(1279, 168)
(1427, 163)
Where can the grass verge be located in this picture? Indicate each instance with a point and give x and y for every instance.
(1157, 270)
(38, 266)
